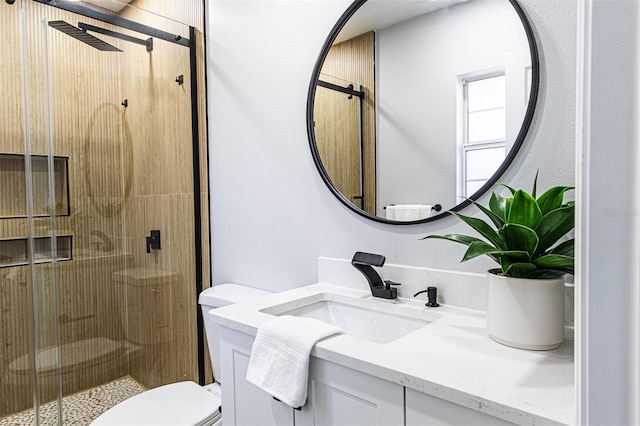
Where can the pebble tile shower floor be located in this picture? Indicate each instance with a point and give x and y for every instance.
(82, 408)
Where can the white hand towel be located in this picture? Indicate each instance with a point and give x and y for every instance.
(409, 212)
(279, 362)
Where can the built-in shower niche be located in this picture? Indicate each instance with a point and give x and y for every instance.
(15, 252)
(13, 197)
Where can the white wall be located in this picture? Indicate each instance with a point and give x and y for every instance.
(272, 214)
(418, 63)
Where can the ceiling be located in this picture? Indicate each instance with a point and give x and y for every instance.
(113, 5)
(378, 14)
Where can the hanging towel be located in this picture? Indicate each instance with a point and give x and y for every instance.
(408, 212)
(279, 362)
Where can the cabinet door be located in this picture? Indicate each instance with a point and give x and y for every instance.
(244, 404)
(339, 396)
(426, 410)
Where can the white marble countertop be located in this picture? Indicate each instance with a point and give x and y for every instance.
(452, 358)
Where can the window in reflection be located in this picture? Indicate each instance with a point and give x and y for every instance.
(483, 129)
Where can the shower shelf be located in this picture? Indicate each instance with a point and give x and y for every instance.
(14, 192)
(15, 252)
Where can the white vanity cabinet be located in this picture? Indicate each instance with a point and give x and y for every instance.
(426, 410)
(340, 396)
(337, 395)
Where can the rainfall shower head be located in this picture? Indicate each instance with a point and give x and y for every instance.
(78, 34)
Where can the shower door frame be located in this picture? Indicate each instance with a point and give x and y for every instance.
(75, 7)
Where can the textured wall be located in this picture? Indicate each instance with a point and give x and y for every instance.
(272, 215)
(418, 64)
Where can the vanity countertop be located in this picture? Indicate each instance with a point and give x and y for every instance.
(453, 359)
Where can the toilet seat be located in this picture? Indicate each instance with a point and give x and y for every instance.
(177, 404)
(74, 356)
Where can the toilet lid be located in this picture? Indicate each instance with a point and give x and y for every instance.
(182, 403)
(226, 294)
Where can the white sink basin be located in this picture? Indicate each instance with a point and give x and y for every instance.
(364, 318)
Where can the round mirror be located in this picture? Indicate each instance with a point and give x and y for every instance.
(417, 106)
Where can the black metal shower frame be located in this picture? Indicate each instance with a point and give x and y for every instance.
(351, 91)
(80, 9)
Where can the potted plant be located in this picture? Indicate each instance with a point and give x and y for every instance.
(526, 294)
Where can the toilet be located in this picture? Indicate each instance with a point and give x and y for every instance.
(184, 403)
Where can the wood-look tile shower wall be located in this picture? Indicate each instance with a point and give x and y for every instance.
(130, 171)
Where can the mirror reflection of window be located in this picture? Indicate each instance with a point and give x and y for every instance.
(484, 129)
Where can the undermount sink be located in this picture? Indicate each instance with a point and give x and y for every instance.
(364, 318)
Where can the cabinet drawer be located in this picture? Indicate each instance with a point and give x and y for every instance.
(340, 396)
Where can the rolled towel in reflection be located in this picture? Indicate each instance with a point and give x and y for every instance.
(408, 212)
(390, 212)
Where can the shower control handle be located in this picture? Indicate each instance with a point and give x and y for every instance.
(153, 241)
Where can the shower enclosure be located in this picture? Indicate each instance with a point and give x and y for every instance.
(104, 235)
(344, 114)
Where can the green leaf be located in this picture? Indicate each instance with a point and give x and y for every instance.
(524, 210)
(513, 191)
(498, 205)
(514, 256)
(555, 262)
(518, 270)
(507, 207)
(497, 220)
(553, 226)
(457, 238)
(483, 228)
(462, 239)
(479, 248)
(566, 248)
(552, 199)
(535, 184)
(519, 237)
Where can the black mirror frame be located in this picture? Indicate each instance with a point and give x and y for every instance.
(526, 123)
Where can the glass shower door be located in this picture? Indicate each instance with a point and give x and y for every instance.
(98, 213)
(30, 248)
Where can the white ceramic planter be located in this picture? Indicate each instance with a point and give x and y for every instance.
(526, 313)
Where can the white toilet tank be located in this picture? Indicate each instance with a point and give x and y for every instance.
(144, 302)
(216, 297)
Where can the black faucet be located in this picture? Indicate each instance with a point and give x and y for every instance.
(153, 241)
(364, 263)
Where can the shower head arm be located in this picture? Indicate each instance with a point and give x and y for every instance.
(87, 27)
